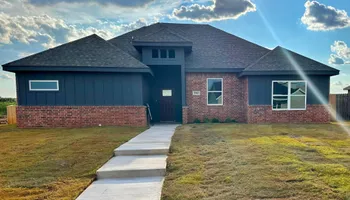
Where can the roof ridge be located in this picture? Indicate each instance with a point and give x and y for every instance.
(293, 52)
(126, 53)
(177, 34)
(262, 57)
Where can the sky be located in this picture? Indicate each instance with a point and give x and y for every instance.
(317, 29)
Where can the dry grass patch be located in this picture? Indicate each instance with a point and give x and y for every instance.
(54, 163)
(241, 161)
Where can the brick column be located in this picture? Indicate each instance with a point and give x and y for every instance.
(185, 115)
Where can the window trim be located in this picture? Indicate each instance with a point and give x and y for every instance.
(222, 92)
(289, 95)
(44, 81)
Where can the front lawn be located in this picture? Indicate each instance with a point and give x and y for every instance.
(54, 163)
(243, 161)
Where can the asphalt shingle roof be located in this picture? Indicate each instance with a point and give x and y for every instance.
(211, 47)
(90, 51)
(163, 35)
(279, 60)
(347, 88)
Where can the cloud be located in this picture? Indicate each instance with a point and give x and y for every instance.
(334, 59)
(5, 4)
(340, 53)
(50, 31)
(319, 17)
(6, 77)
(129, 27)
(219, 10)
(122, 3)
(338, 83)
(24, 54)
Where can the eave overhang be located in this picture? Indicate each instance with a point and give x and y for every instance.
(215, 70)
(76, 69)
(293, 72)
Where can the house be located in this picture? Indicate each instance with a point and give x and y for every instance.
(182, 71)
(348, 89)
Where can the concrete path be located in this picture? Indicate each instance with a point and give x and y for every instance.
(137, 170)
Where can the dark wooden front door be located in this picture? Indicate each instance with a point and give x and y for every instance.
(167, 105)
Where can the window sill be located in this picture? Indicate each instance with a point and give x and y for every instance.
(288, 109)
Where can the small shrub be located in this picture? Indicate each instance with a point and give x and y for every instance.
(206, 120)
(229, 120)
(215, 120)
(196, 121)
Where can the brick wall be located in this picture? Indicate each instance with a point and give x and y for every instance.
(265, 114)
(233, 102)
(185, 115)
(80, 116)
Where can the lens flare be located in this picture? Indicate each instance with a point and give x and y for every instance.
(302, 74)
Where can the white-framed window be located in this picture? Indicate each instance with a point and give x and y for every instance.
(163, 53)
(43, 85)
(289, 95)
(215, 94)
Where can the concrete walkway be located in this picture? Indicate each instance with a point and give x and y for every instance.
(137, 170)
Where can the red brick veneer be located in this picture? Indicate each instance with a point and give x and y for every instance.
(185, 115)
(265, 114)
(80, 116)
(234, 97)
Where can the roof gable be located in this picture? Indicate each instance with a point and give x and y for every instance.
(278, 61)
(90, 51)
(212, 48)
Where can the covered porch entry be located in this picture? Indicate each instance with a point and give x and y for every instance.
(165, 93)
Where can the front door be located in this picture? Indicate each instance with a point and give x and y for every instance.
(167, 105)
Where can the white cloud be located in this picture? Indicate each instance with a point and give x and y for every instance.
(24, 54)
(129, 27)
(6, 77)
(219, 10)
(340, 53)
(123, 3)
(337, 86)
(50, 31)
(319, 17)
(5, 4)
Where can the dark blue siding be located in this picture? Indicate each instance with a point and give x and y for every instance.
(260, 88)
(77, 88)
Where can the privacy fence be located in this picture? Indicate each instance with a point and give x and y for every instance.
(341, 104)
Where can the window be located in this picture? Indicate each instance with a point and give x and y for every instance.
(163, 53)
(171, 53)
(289, 95)
(155, 53)
(215, 91)
(43, 85)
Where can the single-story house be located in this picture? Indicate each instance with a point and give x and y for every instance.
(182, 72)
(348, 89)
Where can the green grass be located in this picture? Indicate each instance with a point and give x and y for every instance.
(54, 163)
(3, 106)
(243, 161)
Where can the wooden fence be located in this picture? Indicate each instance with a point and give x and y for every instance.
(11, 115)
(341, 104)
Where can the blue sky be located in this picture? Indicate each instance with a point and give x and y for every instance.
(317, 29)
